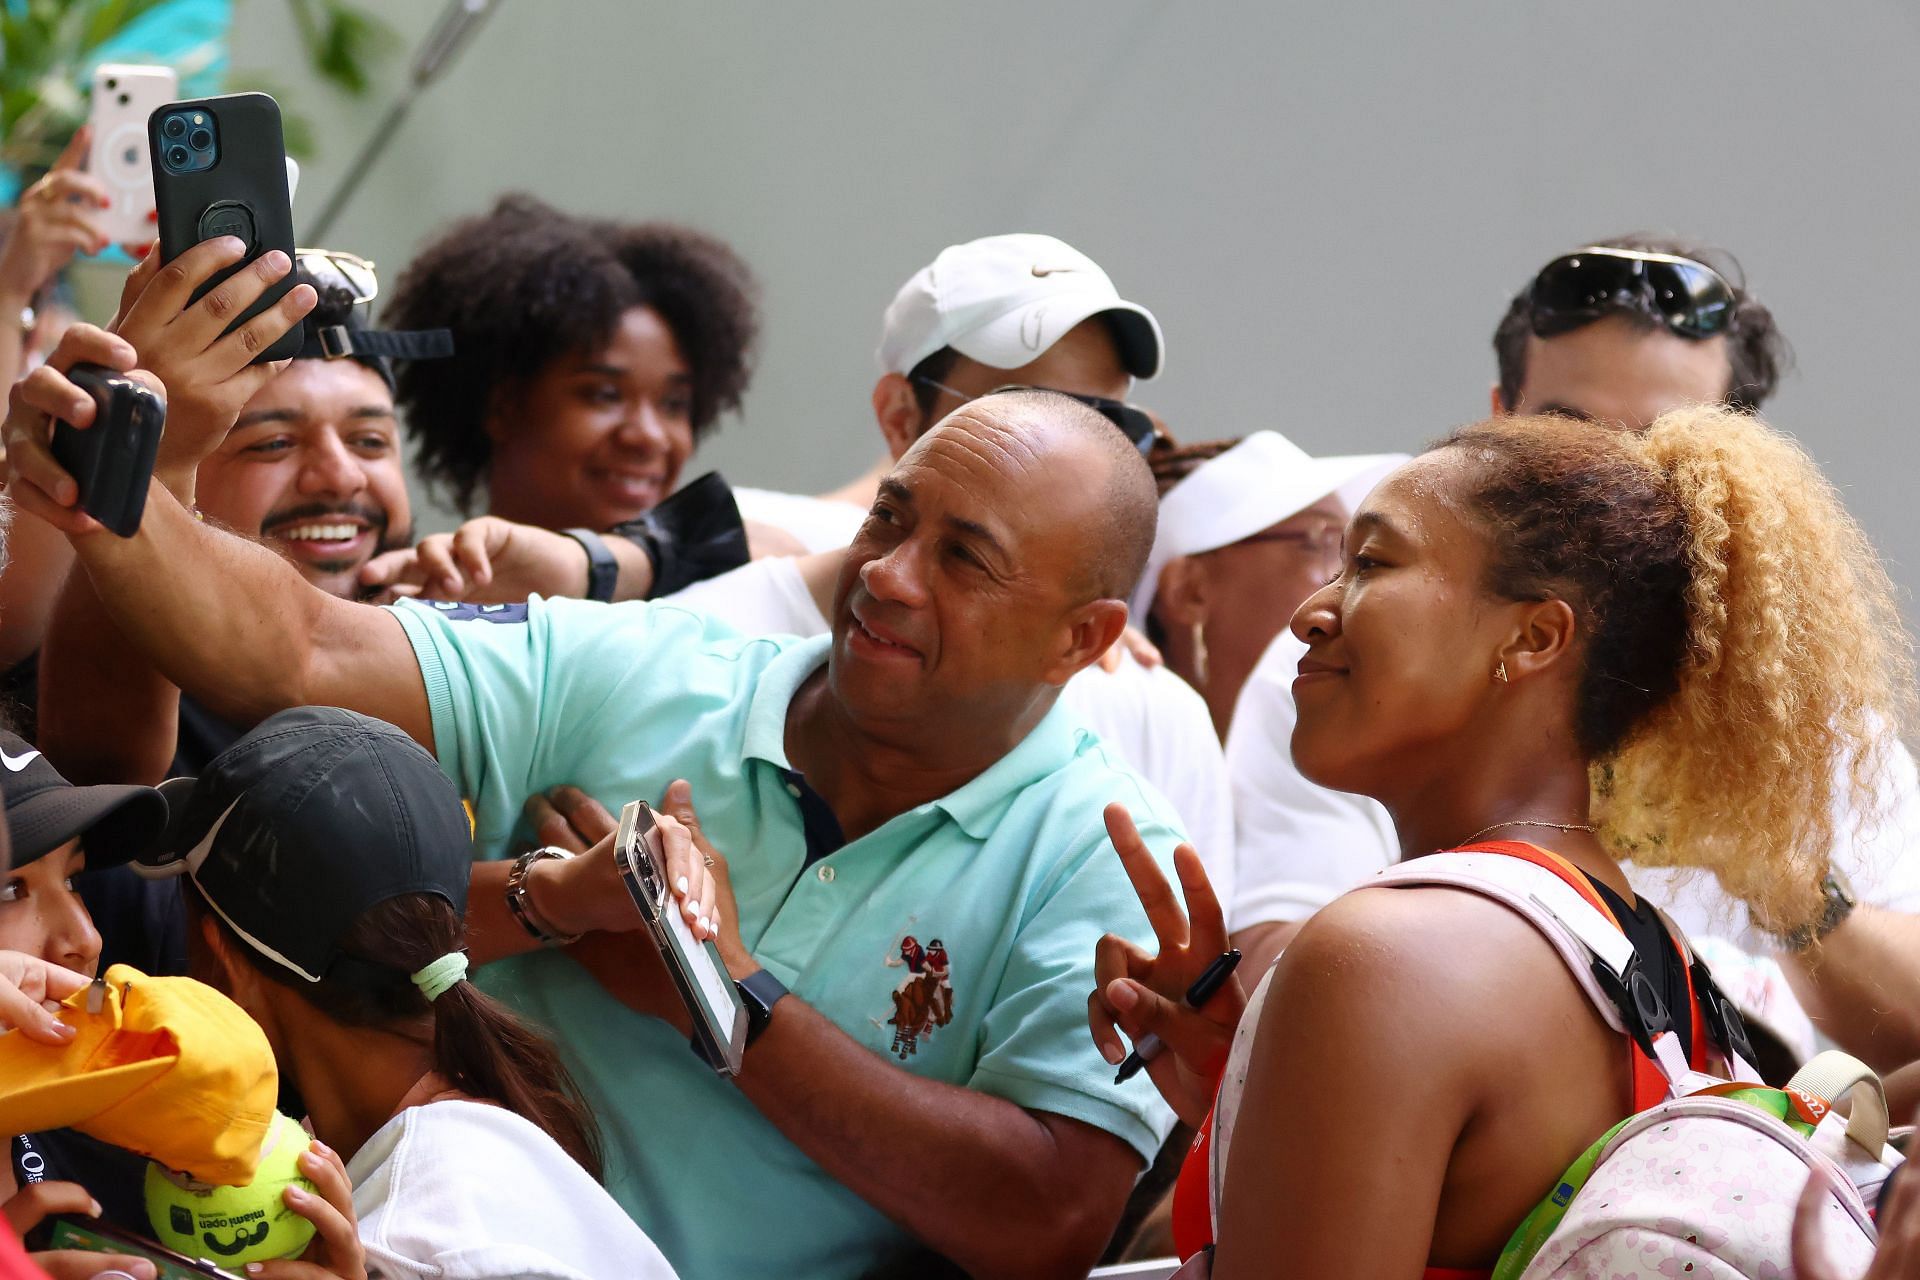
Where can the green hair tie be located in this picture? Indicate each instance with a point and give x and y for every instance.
(438, 978)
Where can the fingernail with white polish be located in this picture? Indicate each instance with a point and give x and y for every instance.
(681, 884)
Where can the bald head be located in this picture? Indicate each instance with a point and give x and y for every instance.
(1074, 452)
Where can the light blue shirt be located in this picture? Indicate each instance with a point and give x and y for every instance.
(956, 941)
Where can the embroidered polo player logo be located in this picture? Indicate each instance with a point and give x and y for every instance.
(924, 998)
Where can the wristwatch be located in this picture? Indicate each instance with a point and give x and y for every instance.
(1837, 893)
(760, 991)
(520, 904)
(603, 571)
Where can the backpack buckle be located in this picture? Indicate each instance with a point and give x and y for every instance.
(1639, 1003)
(1724, 1025)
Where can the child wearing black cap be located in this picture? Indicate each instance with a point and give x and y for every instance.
(329, 857)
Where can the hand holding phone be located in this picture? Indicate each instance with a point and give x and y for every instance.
(180, 332)
(55, 218)
(700, 977)
(124, 95)
(89, 1235)
(112, 459)
(219, 170)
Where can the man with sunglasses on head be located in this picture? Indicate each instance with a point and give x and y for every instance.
(1623, 330)
(1617, 333)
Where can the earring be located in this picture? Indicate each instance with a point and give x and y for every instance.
(1500, 672)
(1199, 643)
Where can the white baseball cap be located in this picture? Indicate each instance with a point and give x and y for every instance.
(1003, 300)
(1256, 484)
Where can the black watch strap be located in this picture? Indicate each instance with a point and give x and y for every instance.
(760, 991)
(603, 571)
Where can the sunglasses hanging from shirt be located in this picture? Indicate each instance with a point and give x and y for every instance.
(334, 269)
(1132, 420)
(1690, 298)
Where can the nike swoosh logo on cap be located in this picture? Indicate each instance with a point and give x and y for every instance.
(16, 763)
(1044, 272)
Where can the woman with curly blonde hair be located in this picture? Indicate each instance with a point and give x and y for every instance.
(1674, 646)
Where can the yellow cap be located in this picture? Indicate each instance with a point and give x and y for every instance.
(165, 1067)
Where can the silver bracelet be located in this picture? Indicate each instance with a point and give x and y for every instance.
(520, 903)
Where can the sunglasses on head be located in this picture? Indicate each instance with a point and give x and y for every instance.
(1132, 420)
(331, 268)
(1690, 298)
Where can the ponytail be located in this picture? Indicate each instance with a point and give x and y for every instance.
(1797, 681)
(1746, 673)
(482, 1048)
(486, 1051)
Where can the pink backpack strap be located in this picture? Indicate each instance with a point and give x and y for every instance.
(1596, 952)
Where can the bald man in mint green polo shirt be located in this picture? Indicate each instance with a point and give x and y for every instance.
(912, 836)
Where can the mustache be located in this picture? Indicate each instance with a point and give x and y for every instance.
(375, 517)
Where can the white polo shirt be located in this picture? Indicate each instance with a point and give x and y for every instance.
(1148, 717)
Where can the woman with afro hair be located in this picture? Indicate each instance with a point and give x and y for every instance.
(590, 356)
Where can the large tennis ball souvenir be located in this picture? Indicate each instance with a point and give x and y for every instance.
(232, 1226)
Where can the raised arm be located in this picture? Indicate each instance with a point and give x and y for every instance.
(224, 619)
(53, 220)
(694, 535)
(107, 714)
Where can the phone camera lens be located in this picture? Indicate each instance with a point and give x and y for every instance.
(174, 127)
(113, 84)
(200, 140)
(177, 157)
(125, 98)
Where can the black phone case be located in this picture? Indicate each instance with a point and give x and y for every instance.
(112, 460)
(249, 180)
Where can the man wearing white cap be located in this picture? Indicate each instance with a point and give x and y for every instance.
(1012, 309)
(1027, 310)
(1243, 539)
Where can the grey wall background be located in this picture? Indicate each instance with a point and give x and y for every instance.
(1327, 205)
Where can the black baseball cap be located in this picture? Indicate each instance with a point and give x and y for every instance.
(301, 826)
(44, 811)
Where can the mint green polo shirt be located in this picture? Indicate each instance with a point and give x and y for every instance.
(955, 942)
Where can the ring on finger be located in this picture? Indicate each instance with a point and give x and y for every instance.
(707, 858)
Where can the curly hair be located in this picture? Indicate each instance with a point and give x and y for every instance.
(1745, 665)
(1756, 349)
(525, 285)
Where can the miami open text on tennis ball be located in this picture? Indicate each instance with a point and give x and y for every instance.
(232, 1226)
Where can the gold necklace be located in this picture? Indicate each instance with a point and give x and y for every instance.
(1529, 822)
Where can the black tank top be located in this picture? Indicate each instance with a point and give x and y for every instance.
(1659, 957)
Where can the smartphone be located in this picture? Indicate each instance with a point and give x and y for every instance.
(220, 169)
(124, 95)
(90, 1235)
(112, 460)
(699, 974)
